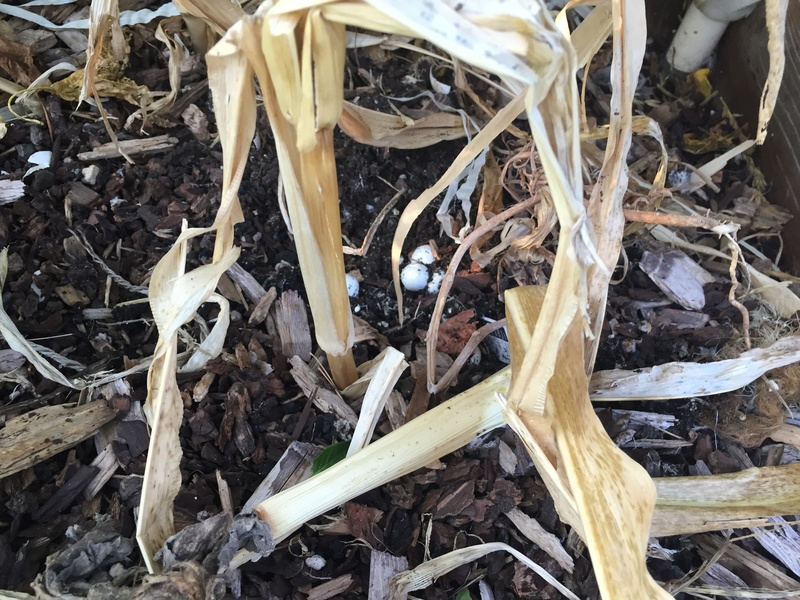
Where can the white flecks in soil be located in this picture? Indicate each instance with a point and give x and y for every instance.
(315, 562)
(475, 358)
(89, 174)
(352, 285)
(435, 282)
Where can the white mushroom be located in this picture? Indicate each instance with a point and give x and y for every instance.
(414, 276)
(423, 254)
(315, 562)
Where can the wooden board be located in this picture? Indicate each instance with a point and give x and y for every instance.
(739, 75)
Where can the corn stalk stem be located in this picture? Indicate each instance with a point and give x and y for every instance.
(722, 500)
(343, 369)
(438, 432)
(317, 225)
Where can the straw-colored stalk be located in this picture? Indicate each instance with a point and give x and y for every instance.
(303, 98)
(684, 505)
(539, 65)
(302, 90)
(605, 496)
(444, 429)
(605, 203)
(597, 488)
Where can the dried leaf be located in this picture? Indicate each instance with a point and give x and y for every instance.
(304, 142)
(176, 295)
(605, 203)
(383, 380)
(392, 131)
(426, 573)
(715, 502)
(455, 332)
(613, 496)
(687, 380)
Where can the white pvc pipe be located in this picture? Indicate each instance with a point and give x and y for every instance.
(701, 29)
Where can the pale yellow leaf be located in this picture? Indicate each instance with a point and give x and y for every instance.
(605, 203)
(328, 41)
(384, 377)
(429, 571)
(688, 379)
(614, 496)
(392, 131)
(220, 16)
(591, 34)
(714, 502)
(175, 296)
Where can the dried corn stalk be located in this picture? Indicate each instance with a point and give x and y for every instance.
(605, 204)
(301, 72)
(419, 442)
(551, 412)
(590, 478)
(175, 296)
(526, 50)
(731, 500)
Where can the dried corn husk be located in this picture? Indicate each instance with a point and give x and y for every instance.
(392, 131)
(175, 296)
(385, 376)
(605, 203)
(610, 494)
(426, 573)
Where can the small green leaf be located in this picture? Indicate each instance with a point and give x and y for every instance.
(330, 456)
(463, 595)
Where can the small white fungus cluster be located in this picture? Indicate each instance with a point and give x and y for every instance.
(415, 276)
